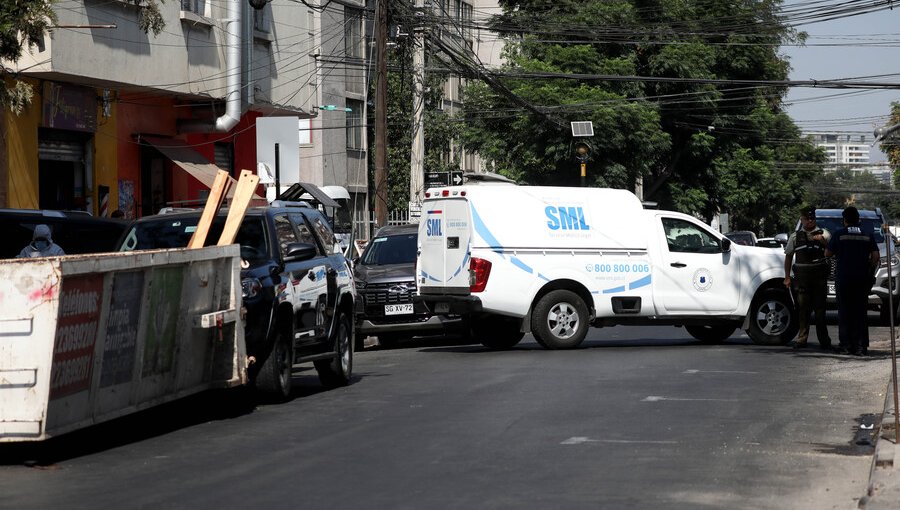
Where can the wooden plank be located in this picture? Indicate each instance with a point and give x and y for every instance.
(213, 203)
(243, 193)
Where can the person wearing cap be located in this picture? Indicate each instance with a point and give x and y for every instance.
(805, 254)
(41, 245)
(856, 259)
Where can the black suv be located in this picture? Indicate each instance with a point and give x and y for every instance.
(386, 281)
(298, 293)
(76, 232)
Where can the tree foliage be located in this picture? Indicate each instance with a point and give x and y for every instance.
(696, 146)
(22, 23)
(439, 128)
(891, 146)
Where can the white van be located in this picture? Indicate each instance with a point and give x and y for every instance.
(552, 261)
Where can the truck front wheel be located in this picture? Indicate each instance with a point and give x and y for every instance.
(773, 320)
(560, 320)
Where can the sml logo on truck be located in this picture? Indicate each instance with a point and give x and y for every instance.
(433, 225)
(566, 221)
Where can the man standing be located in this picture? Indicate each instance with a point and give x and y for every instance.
(857, 259)
(806, 250)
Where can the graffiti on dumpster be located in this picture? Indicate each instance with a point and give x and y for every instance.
(165, 298)
(76, 334)
(122, 328)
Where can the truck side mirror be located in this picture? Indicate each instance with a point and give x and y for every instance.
(726, 245)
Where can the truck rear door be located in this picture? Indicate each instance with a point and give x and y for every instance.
(444, 244)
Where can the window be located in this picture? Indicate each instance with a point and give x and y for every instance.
(352, 30)
(305, 131)
(285, 233)
(355, 125)
(304, 233)
(685, 237)
(325, 235)
(261, 18)
(195, 6)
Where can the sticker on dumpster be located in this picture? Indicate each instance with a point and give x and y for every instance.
(122, 328)
(165, 298)
(76, 334)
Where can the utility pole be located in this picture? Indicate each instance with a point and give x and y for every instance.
(381, 187)
(417, 155)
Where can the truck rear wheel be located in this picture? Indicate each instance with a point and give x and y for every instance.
(773, 320)
(496, 332)
(274, 376)
(711, 333)
(336, 371)
(560, 320)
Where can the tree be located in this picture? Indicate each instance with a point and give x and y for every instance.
(440, 130)
(891, 146)
(22, 22)
(698, 147)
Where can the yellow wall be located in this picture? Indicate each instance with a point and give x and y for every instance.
(106, 159)
(22, 153)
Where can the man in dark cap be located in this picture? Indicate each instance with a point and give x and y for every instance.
(41, 245)
(856, 260)
(805, 250)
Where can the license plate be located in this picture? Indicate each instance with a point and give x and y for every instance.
(398, 309)
(830, 288)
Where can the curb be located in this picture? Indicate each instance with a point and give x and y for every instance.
(883, 492)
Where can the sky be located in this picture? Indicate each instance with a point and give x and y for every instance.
(845, 48)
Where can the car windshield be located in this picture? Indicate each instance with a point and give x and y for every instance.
(177, 232)
(868, 225)
(396, 249)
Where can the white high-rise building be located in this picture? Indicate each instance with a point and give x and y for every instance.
(842, 148)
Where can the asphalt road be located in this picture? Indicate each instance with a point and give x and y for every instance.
(638, 418)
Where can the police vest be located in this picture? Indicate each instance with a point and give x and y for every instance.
(808, 252)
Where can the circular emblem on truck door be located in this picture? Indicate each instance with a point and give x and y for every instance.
(702, 280)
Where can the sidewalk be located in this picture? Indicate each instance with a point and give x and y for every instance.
(884, 478)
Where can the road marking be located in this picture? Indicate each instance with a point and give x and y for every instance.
(581, 440)
(653, 398)
(695, 371)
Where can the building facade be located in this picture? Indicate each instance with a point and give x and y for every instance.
(129, 120)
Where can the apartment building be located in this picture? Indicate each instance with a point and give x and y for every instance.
(842, 148)
(124, 119)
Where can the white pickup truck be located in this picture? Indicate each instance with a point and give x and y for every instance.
(552, 261)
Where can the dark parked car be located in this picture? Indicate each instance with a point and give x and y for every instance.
(74, 231)
(298, 293)
(386, 282)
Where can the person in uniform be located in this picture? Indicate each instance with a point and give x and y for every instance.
(41, 245)
(805, 251)
(856, 260)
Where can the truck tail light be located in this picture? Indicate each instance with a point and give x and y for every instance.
(479, 272)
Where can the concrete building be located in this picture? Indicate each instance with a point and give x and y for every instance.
(843, 148)
(124, 119)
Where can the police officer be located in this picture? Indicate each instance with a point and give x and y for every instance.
(806, 250)
(857, 259)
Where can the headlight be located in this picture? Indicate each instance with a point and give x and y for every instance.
(895, 260)
(250, 287)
